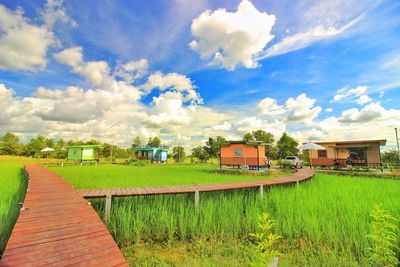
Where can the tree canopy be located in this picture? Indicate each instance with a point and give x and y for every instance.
(154, 142)
(178, 154)
(286, 146)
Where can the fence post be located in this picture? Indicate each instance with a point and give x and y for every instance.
(196, 198)
(297, 183)
(261, 191)
(107, 209)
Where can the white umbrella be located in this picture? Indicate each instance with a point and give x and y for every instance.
(311, 146)
(47, 149)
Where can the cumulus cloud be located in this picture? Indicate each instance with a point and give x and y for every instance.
(132, 70)
(24, 44)
(172, 81)
(356, 94)
(232, 38)
(295, 110)
(71, 56)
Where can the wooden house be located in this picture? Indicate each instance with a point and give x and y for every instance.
(153, 154)
(251, 154)
(82, 153)
(342, 153)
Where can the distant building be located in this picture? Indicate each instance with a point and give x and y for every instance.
(83, 153)
(153, 154)
(342, 153)
(251, 154)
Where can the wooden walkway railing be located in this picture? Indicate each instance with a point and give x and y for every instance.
(57, 227)
(298, 176)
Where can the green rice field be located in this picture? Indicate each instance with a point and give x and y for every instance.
(324, 221)
(12, 191)
(108, 176)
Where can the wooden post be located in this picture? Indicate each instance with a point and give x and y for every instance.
(196, 198)
(261, 191)
(297, 183)
(107, 209)
(62, 164)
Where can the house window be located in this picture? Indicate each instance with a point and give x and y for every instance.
(237, 153)
(357, 153)
(322, 154)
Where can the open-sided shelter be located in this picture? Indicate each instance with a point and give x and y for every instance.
(153, 154)
(251, 154)
(83, 153)
(342, 153)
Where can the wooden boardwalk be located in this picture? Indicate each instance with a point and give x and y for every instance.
(300, 175)
(57, 227)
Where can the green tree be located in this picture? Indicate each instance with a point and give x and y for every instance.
(213, 145)
(248, 137)
(263, 136)
(50, 142)
(391, 156)
(154, 142)
(137, 142)
(200, 153)
(60, 149)
(286, 146)
(178, 154)
(9, 144)
(32, 149)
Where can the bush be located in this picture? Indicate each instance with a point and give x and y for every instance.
(266, 241)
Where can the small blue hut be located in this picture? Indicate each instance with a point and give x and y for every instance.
(153, 154)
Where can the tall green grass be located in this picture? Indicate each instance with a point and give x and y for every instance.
(103, 176)
(323, 221)
(12, 191)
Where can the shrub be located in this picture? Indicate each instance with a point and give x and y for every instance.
(383, 238)
(266, 241)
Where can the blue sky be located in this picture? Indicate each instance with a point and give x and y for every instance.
(318, 70)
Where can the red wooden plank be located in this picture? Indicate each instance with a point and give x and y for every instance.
(58, 227)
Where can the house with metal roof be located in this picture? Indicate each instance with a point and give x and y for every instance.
(342, 153)
(153, 154)
(82, 153)
(249, 154)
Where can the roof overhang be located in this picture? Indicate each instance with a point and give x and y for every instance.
(381, 142)
(248, 143)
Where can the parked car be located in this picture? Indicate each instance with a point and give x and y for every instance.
(294, 161)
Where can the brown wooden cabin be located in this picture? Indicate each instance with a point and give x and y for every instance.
(242, 153)
(343, 153)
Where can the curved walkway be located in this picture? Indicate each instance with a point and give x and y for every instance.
(298, 176)
(57, 227)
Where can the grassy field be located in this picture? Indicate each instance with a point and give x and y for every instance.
(107, 176)
(12, 191)
(324, 221)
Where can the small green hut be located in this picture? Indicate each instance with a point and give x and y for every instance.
(83, 153)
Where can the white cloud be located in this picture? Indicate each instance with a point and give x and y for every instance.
(356, 94)
(232, 38)
(71, 56)
(303, 39)
(172, 81)
(23, 46)
(295, 110)
(53, 12)
(168, 109)
(132, 70)
(269, 106)
(329, 109)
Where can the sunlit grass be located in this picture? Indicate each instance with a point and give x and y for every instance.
(107, 176)
(12, 191)
(325, 220)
